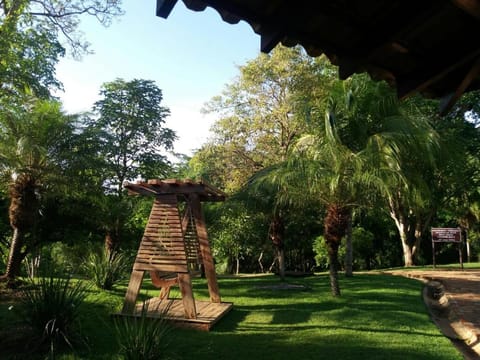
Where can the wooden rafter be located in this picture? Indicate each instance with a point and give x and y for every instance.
(472, 7)
(414, 45)
(473, 73)
(441, 75)
(155, 187)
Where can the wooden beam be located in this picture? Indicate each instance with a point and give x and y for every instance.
(164, 7)
(205, 249)
(440, 75)
(185, 284)
(132, 292)
(195, 5)
(269, 39)
(174, 186)
(471, 7)
(472, 74)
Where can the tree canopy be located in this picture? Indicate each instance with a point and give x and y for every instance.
(130, 125)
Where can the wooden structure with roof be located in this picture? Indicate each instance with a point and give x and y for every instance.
(425, 46)
(173, 248)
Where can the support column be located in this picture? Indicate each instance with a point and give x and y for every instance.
(185, 284)
(205, 248)
(132, 292)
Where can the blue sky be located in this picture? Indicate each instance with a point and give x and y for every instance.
(190, 56)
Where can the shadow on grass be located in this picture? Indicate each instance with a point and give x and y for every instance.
(310, 343)
(377, 317)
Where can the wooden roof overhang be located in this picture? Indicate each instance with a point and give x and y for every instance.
(156, 187)
(426, 46)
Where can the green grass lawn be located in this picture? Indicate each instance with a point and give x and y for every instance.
(377, 317)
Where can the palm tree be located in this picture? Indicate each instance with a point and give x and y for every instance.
(353, 158)
(332, 174)
(30, 137)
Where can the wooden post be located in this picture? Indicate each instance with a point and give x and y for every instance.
(460, 253)
(132, 292)
(205, 248)
(433, 253)
(185, 284)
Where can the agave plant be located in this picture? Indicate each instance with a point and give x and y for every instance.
(105, 268)
(143, 338)
(51, 306)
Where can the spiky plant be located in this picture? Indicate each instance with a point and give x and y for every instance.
(51, 306)
(143, 338)
(105, 268)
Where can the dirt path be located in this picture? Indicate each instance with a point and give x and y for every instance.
(453, 297)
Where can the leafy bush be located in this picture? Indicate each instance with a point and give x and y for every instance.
(51, 306)
(321, 253)
(142, 337)
(67, 258)
(363, 251)
(362, 243)
(105, 268)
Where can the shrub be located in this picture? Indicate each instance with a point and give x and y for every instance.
(321, 253)
(141, 337)
(105, 268)
(51, 306)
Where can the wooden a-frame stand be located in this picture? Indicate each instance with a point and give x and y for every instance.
(174, 247)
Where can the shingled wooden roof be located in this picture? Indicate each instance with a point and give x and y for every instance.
(427, 46)
(153, 187)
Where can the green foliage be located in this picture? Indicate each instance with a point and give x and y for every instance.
(363, 250)
(236, 235)
(142, 338)
(51, 306)
(260, 115)
(33, 37)
(105, 268)
(62, 258)
(130, 125)
(33, 138)
(28, 62)
(60, 19)
(321, 253)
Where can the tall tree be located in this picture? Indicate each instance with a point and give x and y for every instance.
(346, 161)
(262, 114)
(31, 139)
(447, 182)
(398, 137)
(61, 18)
(34, 35)
(264, 111)
(130, 123)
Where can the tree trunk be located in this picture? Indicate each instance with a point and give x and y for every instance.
(336, 223)
(401, 222)
(468, 250)
(112, 237)
(15, 258)
(259, 260)
(333, 272)
(349, 250)
(276, 232)
(109, 243)
(407, 251)
(281, 263)
(22, 214)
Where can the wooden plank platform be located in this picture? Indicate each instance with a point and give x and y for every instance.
(208, 313)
